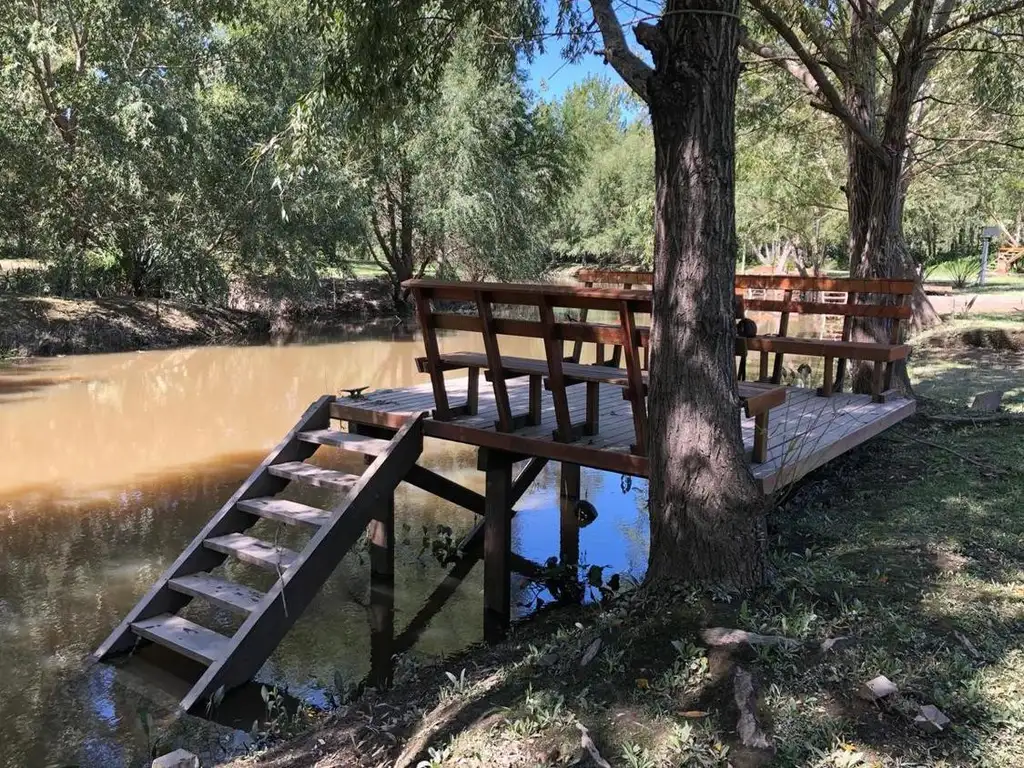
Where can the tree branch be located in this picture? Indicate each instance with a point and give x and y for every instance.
(889, 14)
(788, 64)
(631, 68)
(972, 19)
(825, 89)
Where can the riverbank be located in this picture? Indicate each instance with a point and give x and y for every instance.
(42, 326)
(45, 327)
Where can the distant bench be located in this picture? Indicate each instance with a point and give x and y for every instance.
(802, 295)
(556, 372)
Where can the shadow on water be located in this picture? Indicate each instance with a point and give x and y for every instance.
(107, 479)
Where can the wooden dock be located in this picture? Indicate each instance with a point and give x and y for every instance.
(805, 433)
(593, 415)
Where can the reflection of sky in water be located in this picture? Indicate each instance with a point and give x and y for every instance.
(104, 484)
(535, 526)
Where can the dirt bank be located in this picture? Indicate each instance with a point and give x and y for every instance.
(32, 326)
(41, 326)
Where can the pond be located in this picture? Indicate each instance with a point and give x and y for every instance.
(112, 463)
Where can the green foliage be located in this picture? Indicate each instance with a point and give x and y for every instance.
(610, 212)
(131, 130)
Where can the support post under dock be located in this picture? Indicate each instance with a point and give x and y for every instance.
(497, 465)
(382, 592)
(569, 523)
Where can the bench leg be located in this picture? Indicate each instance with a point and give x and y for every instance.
(777, 369)
(593, 408)
(473, 391)
(533, 418)
(826, 382)
(840, 374)
(762, 374)
(888, 376)
(760, 438)
(877, 379)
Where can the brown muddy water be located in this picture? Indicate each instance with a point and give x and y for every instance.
(112, 463)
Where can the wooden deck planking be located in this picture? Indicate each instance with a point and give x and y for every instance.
(804, 433)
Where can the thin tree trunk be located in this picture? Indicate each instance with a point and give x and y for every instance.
(707, 514)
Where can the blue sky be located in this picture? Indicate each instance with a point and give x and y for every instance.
(550, 74)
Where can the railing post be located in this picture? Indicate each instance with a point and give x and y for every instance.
(422, 300)
(635, 393)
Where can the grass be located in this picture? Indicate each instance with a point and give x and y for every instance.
(910, 549)
(959, 359)
(994, 283)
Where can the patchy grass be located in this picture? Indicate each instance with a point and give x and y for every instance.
(943, 273)
(959, 359)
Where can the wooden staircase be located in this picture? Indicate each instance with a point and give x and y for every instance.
(268, 616)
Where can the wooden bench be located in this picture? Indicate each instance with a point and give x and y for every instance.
(557, 371)
(802, 295)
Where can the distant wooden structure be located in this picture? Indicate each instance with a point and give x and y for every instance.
(1007, 257)
(554, 408)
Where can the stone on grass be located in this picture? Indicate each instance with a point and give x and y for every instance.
(877, 688)
(931, 719)
(987, 402)
(179, 758)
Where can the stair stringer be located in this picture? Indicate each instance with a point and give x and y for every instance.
(228, 519)
(282, 605)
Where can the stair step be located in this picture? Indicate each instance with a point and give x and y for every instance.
(312, 475)
(181, 635)
(368, 446)
(226, 594)
(249, 549)
(290, 512)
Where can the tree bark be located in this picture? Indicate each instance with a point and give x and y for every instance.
(875, 182)
(707, 514)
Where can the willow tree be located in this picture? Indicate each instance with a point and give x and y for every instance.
(872, 66)
(707, 517)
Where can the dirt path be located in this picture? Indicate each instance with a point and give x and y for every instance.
(984, 303)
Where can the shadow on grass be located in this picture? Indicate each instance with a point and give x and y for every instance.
(912, 552)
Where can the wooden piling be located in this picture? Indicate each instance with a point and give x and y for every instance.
(382, 592)
(497, 542)
(569, 524)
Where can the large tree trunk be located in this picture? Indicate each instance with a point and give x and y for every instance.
(875, 184)
(707, 514)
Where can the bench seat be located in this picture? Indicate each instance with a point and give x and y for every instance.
(854, 350)
(756, 398)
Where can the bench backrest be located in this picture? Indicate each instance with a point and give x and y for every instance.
(801, 295)
(481, 299)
